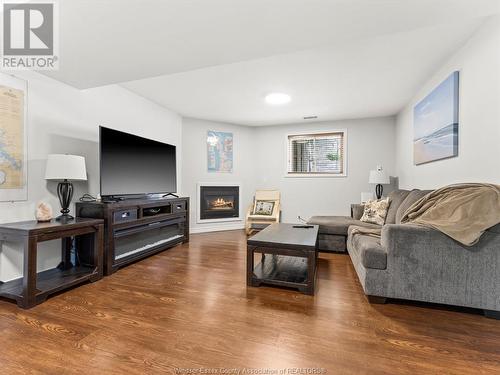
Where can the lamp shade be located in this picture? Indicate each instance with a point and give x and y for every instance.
(379, 177)
(65, 167)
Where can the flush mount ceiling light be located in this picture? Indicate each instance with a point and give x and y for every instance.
(277, 98)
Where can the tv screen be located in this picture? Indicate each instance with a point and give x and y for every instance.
(132, 165)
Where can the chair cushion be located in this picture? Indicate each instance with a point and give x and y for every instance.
(411, 198)
(369, 251)
(337, 224)
(263, 208)
(396, 197)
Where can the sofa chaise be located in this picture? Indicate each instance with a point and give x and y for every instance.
(414, 262)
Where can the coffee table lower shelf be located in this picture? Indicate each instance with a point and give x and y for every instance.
(285, 271)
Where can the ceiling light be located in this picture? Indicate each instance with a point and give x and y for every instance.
(277, 98)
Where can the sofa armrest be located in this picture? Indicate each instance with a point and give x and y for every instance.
(405, 239)
(357, 210)
(427, 265)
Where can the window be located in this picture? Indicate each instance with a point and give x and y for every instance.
(320, 154)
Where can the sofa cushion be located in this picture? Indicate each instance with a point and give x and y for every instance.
(411, 198)
(331, 242)
(375, 211)
(337, 224)
(368, 249)
(396, 197)
(357, 210)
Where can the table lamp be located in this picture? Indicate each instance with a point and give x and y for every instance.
(65, 168)
(379, 177)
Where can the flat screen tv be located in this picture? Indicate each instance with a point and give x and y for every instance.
(135, 166)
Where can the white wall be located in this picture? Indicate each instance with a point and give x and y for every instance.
(370, 142)
(479, 118)
(260, 163)
(194, 166)
(62, 119)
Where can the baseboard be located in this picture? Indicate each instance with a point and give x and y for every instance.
(216, 228)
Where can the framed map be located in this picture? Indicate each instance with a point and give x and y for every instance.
(13, 145)
(219, 151)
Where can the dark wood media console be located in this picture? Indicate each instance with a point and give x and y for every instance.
(137, 228)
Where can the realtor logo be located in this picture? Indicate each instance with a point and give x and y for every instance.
(30, 35)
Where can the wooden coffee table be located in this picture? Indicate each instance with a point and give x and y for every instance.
(288, 257)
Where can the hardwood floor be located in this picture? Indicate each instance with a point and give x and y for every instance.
(189, 307)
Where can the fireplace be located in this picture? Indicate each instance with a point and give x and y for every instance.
(219, 202)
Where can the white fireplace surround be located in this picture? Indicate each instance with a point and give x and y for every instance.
(198, 203)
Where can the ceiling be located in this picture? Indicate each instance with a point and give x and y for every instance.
(218, 59)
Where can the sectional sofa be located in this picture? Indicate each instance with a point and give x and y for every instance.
(414, 262)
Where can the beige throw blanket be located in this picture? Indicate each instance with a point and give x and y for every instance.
(372, 232)
(462, 211)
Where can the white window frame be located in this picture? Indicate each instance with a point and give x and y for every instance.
(316, 175)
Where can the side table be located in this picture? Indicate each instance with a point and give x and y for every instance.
(34, 288)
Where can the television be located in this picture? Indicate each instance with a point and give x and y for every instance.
(135, 166)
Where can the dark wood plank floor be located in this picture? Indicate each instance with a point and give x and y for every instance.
(189, 307)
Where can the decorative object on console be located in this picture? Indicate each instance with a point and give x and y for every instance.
(43, 212)
(219, 151)
(375, 211)
(65, 168)
(435, 123)
(379, 177)
(151, 211)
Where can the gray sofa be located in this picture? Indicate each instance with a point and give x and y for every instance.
(417, 263)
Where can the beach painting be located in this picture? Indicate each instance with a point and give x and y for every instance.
(435, 122)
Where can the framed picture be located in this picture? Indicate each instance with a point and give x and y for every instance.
(435, 122)
(219, 151)
(13, 139)
(263, 208)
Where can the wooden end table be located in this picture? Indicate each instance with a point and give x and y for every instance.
(34, 288)
(288, 257)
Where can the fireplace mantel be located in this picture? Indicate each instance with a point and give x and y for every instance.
(221, 204)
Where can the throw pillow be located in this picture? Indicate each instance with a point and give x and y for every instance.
(263, 208)
(375, 211)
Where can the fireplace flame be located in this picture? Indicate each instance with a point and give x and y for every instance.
(222, 203)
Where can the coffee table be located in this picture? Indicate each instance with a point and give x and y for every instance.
(288, 257)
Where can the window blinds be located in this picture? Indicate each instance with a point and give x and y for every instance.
(316, 153)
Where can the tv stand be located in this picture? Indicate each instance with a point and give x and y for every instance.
(137, 228)
(111, 200)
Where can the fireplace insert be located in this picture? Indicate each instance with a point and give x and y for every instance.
(219, 202)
